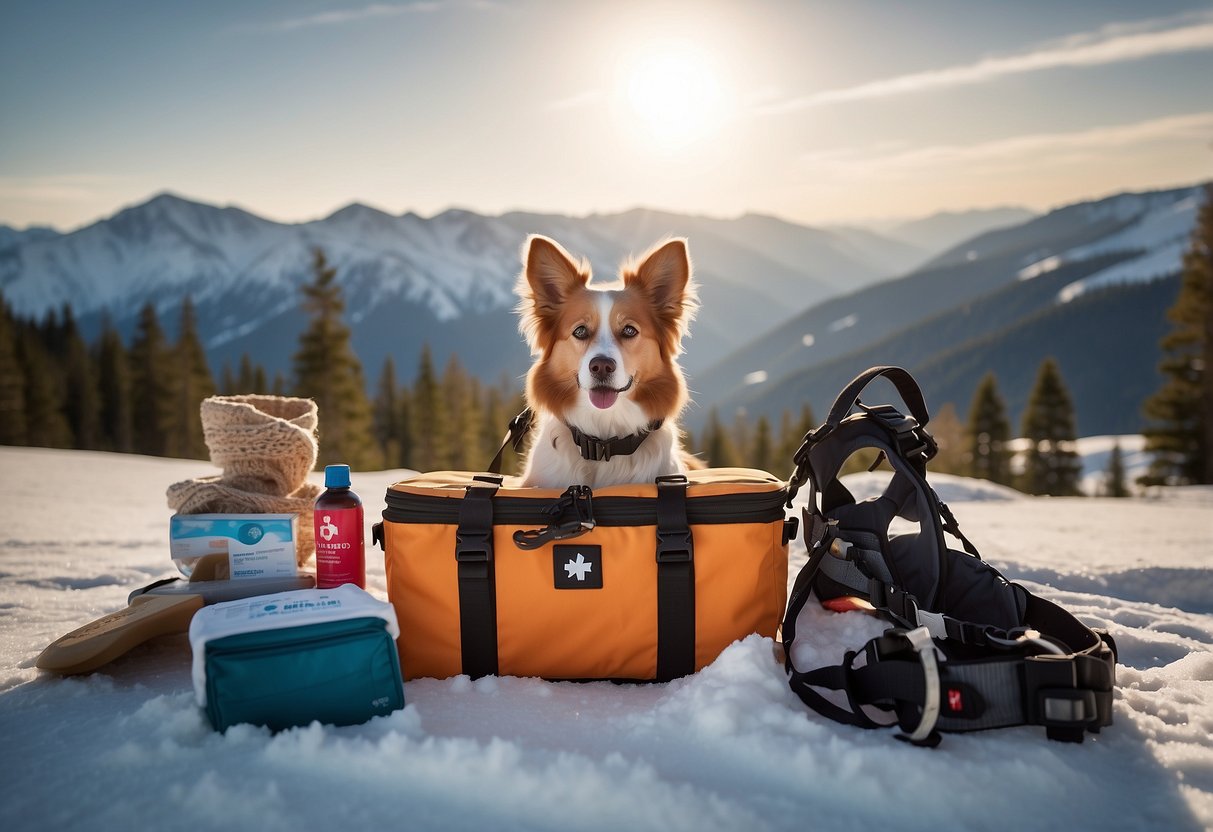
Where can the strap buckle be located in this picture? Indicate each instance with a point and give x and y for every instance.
(912, 439)
(472, 546)
(675, 543)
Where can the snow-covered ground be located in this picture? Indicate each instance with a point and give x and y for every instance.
(730, 748)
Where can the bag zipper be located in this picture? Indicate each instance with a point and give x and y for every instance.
(294, 639)
(764, 507)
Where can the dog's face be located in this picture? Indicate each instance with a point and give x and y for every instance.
(609, 349)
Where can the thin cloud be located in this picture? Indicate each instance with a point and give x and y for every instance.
(342, 16)
(65, 188)
(1114, 43)
(1037, 148)
(578, 99)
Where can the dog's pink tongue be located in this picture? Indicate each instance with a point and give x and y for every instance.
(603, 397)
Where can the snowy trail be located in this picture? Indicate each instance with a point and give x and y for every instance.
(730, 748)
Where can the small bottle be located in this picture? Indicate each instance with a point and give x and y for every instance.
(340, 550)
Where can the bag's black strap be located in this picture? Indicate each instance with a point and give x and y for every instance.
(675, 581)
(516, 432)
(906, 386)
(477, 584)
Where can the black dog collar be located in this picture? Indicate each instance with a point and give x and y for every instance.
(600, 450)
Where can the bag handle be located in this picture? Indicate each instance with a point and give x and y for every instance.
(516, 432)
(906, 386)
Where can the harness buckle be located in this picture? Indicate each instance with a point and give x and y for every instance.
(933, 622)
(920, 640)
(1066, 707)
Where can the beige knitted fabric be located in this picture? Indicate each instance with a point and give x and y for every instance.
(266, 445)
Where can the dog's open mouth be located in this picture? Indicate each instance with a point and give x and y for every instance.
(604, 397)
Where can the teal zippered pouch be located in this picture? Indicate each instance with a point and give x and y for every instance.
(297, 657)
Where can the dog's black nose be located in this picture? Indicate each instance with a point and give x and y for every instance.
(601, 366)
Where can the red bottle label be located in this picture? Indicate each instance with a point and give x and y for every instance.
(340, 554)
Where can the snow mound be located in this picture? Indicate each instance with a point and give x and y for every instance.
(950, 488)
(728, 748)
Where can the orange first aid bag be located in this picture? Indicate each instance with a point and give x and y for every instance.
(635, 582)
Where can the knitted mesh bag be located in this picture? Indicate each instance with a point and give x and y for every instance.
(266, 445)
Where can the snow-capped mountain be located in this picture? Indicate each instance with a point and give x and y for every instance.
(408, 279)
(1080, 284)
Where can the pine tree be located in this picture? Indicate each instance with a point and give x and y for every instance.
(1179, 432)
(718, 446)
(46, 425)
(404, 430)
(1114, 479)
(988, 432)
(246, 381)
(328, 370)
(278, 388)
(949, 434)
(192, 382)
(742, 437)
(791, 437)
(261, 384)
(461, 418)
(386, 410)
(12, 383)
(151, 385)
(227, 381)
(762, 451)
(114, 381)
(493, 422)
(1051, 465)
(428, 434)
(82, 398)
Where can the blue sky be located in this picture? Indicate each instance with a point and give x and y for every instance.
(818, 112)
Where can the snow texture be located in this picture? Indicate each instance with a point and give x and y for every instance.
(729, 748)
(1161, 234)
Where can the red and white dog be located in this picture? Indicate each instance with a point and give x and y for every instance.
(606, 386)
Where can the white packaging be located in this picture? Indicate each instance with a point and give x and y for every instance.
(256, 545)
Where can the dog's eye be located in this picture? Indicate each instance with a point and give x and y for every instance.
(629, 331)
(581, 332)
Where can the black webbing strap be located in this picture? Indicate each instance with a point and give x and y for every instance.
(675, 581)
(1068, 693)
(477, 585)
(906, 386)
(515, 433)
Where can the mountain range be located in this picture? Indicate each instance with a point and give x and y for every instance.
(789, 312)
(1088, 284)
(445, 280)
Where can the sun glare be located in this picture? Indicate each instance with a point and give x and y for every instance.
(674, 93)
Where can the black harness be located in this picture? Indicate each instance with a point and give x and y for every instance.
(968, 649)
(593, 448)
(600, 450)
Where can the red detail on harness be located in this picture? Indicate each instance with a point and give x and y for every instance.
(955, 702)
(848, 603)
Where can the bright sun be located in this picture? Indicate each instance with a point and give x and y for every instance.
(675, 94)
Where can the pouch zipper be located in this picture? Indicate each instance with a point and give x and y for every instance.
(353, 633)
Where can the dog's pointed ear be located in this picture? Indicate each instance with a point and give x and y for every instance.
(664, 275)
(548, 277)
(550, 271)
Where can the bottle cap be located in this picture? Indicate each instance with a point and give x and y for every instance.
(336, 476)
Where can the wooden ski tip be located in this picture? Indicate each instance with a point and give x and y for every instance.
(100, 642)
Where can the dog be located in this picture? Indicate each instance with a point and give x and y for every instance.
(605, 387)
